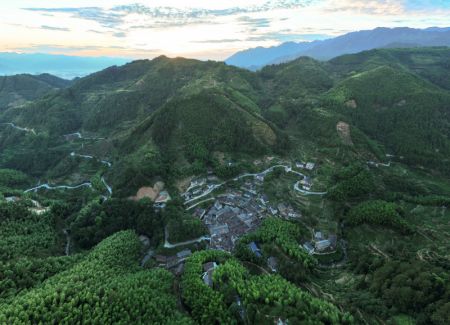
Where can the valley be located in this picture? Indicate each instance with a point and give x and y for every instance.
(186, 192)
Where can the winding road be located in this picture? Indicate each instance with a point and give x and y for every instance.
(19, 128)
(288, 169)
(66, 187)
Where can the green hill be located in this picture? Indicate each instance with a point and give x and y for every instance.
(19, 89)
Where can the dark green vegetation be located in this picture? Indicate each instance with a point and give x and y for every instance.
(19, 89)
(107, 285)
(237, 295)
(170, 119)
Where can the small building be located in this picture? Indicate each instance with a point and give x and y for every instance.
(163, 197)
(161, 259)
(184, 253)
(318, 236)
(144, 240)
(12, 199)
(273, 210)
(260, 178)
(264, 199)
(308, 247)
(272, 263)
(218, 205)
(179, 269)
(333, 241)
(199, 213)
(255, 249)
(208, 273)
(310, 166)
(208, 266)
(322, 244)
(299, 164)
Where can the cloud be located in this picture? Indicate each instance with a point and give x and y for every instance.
(168, 16)
(61, 29)
(218, 41)
(287, 37)
(254, 22)
(120, 34)
(368, 7)
(104, 17)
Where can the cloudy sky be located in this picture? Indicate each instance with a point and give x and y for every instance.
(211, 29)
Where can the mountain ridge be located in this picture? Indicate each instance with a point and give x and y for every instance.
(345, 44)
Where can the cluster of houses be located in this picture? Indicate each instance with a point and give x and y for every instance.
(305, 165)
(320, 244)
(173, 263)
(230, 217)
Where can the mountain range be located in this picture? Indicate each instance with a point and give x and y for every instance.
(353, 42)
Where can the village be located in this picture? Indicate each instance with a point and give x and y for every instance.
(238, 208)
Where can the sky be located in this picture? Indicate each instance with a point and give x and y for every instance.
(212, 29)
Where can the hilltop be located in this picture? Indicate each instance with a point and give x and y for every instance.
(18, 89)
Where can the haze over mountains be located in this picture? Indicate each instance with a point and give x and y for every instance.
(63, 66)
(354, 42)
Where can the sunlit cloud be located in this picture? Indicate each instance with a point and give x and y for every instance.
(198, 28)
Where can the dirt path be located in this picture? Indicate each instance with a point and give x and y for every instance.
(67, 248)
(379, 251)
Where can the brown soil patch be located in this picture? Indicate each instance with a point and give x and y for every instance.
(343, 130)
(183, 184)
(148, 192)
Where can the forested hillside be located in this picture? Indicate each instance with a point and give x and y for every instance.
(19, 89)
(175, 191)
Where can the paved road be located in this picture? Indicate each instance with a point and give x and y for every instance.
(67, 187)
(188, 242)
(20, 128)
(288, 169)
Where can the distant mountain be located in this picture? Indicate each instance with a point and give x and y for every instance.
(346, 44)
(260, 56)
(19, 89)
(64, 66)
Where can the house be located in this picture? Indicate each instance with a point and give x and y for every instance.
(172, 261)
(199, 213)
(218, 205)
(161, 259)
(208, 266)
(318, 236)
(159, 206)
(272, 263)
(282, 207)
(308, 247)
(273, 210)
(207, 275)
(322, 244)
(163, 197)
(264, 199)
(306, 181)
(184, 253)
(333, 241)
(310, 166)
(260, 178)
(179, 269)
(299, 164)
(144, 240)
(255, 249)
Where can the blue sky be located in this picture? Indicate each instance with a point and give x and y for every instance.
(199, 29)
